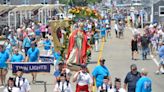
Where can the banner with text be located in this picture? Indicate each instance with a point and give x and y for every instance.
(31, 67)
(47, 58)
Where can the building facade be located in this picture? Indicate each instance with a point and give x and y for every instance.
(158, 12)
(19, 2)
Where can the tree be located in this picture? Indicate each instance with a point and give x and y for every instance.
(93, 1)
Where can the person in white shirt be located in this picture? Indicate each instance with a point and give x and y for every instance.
(105, 87)
(117, 86)
(63, 85)
(83, 79)
(116, 29)
(10, 86)
(21, 82)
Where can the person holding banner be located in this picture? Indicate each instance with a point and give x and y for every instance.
(33, 56)
(21, 82)
(17, 57)
(4, 57)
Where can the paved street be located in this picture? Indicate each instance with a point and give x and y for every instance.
(117, 53)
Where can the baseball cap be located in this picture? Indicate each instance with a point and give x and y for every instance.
(102, 60)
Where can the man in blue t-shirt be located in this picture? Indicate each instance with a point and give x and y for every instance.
(17, 57)
(161, 56)
(103, 32)
(99, 72)
(4, 57)
(47, 44)
(144, 84)
(33, 56)
(38, 34)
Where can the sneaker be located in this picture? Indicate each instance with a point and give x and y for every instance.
(157, 72)
(2, 86)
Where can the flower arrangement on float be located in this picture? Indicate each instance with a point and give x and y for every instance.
(83, 12)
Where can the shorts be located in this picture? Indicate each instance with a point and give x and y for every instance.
(3, 66)
(38, 38)
(1, 70)
(134, 49)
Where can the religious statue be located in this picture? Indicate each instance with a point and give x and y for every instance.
(77, 48)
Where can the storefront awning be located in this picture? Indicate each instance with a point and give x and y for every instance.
(5, 8)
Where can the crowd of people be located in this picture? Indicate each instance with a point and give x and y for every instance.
(23, 45)
(149, 42)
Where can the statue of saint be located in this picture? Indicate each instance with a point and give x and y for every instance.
(77, 48)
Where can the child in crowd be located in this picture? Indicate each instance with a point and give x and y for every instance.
(63, 85)
(117, 86)
(105, 87)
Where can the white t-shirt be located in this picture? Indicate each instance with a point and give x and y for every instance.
(66, 87)
(24, 84)
(120, 90)
(116, 27)
(84, 79)
(89, 26)
(14, 89)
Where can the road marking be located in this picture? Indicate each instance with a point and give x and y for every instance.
(100, 53)
(154, 59)
(156, 62)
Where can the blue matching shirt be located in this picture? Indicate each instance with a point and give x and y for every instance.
(4, 56)
(57, 56)
(96, 36)
(144, 85)
(47, 44)
(13, 40)
(161, 52)
(33, 54)
(26, 42)
(37, 32)
(99, 72)
(17, 58)
(103, 31)
(57, 73)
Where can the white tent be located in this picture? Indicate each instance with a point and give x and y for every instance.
(16, 16)
(47, 12)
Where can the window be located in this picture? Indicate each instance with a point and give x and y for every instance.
(161, 10)
(25, 1)
(6, 1)
(44, 1)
